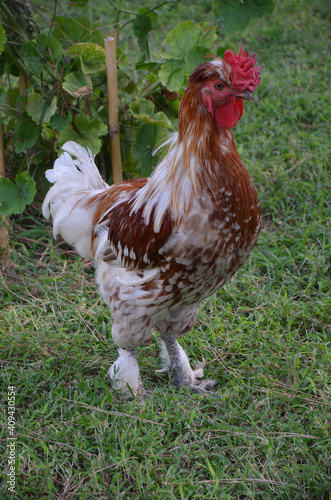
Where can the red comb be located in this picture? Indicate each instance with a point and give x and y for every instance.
(244, 75)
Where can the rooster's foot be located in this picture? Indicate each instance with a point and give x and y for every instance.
(125, 373)
(179, 379)
(175, 360)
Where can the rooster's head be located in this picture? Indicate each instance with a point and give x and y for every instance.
(224, 83)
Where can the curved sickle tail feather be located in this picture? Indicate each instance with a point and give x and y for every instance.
(74, 180)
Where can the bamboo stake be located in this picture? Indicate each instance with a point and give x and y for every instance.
(3, 221)
(111, 69)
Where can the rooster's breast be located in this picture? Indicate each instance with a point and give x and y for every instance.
(211, 243)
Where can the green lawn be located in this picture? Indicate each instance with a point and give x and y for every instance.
(265, 336)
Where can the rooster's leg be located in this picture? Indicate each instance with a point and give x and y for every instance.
(125, 372)
(182, 373)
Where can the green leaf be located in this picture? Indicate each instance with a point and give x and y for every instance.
(80, 29)
(28, 133)
(187, 36)
(150, 65)
(153, 17)
(91, 55)
(235, 15)
(49, 46)
(3, 38)
(2, 93)
(172, 74)
(187, 45)
(15, 197)
(38, 109)
(85, 124)
(87, 134)
(147, 138)
(195, 57)
(77, 84)
(161, 119)
(142, 109)
(141, 26)
(32, 58)
(57, 122)
(11, 100)
(220, 51)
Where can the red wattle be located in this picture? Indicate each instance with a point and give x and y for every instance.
(227, 115)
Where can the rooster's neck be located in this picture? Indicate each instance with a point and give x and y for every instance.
(207, 151)
(201, 163)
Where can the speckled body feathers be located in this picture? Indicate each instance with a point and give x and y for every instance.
(164, 244)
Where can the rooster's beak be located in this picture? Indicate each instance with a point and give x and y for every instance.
(243, 94)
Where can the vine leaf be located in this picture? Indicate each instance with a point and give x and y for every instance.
(149, 65)
(87, 132)
(3, 93)
(32, 58)
(57, 122)
(49, 46)
(141, 26)
(172, 74)
(235, 15)
(74, 83)
(160, 118)
(40, 51)
(142, 109)
(148, 136)
(28, 133)
(187, 46)
(16, 196)
(92, 57)
(186, 37)
(35, 108)
(80, 29)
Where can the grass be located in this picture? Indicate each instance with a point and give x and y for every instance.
(265, 335)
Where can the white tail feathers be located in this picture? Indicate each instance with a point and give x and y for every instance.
(75, 181)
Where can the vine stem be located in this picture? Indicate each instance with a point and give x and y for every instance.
(13, 21)
(147, 12)
(53, 18)
(151, 89)
(19, 65)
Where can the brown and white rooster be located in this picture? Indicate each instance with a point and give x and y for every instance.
(162, 245)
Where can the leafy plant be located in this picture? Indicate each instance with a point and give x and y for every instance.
(53, 84)
(15, 196)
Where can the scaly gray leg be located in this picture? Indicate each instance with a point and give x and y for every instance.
(182, 373)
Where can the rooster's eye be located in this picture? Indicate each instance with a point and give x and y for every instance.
(218, 86)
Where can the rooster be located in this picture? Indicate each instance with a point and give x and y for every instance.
(164, 244)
